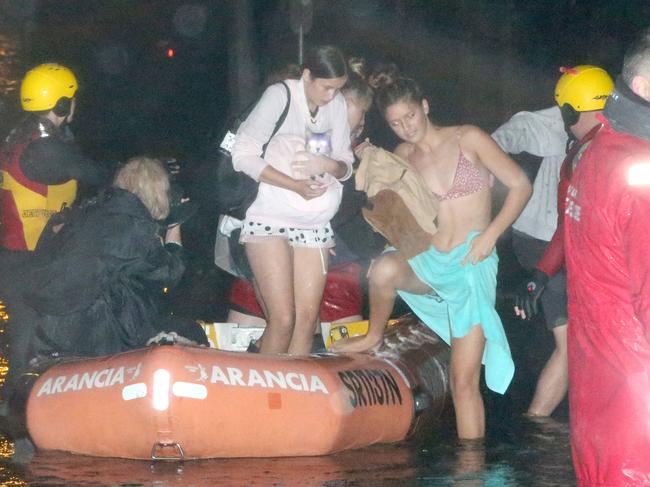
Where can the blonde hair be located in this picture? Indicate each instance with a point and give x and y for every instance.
(148, 180)
(357, 86)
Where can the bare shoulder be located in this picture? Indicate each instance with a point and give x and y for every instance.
(474, 140)
(465, 135)
(404, 150)
(478, 146)
(471, 133)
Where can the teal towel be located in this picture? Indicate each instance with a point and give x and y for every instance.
(465, 297)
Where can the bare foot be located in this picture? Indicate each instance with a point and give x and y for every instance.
(355, 344)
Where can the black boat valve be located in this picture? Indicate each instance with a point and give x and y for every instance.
(421, 401)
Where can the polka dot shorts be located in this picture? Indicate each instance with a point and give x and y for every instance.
(256, 231)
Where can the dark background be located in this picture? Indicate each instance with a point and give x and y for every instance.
(479, 61)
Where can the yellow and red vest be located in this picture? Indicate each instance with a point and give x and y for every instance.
(26, 206)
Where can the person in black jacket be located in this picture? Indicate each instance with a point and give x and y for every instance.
(94, 283)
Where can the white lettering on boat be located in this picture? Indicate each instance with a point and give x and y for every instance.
(296, 381)
(95, 379)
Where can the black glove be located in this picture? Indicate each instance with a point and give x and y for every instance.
(529, 292)
(181, 209)
(172, 166)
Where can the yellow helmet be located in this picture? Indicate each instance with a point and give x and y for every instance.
(44, 85)
(584, 88)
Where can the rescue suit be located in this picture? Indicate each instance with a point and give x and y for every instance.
(553, 258)
(39, 170)
(607, 245)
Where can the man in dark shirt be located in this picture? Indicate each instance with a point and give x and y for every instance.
(40, 165)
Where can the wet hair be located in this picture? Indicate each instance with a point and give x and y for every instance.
(357, 86)
(398, 90)
(383, 74)
(325, 62)
(148, 180)
(288, 71)
(637, 58)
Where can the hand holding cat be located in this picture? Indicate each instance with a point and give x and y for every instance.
(308, 164)
(308, 189)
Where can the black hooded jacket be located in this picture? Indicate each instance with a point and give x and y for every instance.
(94, 284)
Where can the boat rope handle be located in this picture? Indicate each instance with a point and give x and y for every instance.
(160, 445)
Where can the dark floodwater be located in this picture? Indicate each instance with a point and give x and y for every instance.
(539, 457)
(516, 451)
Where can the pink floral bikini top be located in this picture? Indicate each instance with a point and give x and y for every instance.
(467, 180)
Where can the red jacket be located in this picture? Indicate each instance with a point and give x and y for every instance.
(553, 258)
(607, 244)
(27, 205)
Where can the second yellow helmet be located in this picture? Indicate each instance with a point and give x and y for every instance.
(43, 86)
(584, 87)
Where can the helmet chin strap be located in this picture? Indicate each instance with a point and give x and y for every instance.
(56, 119)
(570, 116)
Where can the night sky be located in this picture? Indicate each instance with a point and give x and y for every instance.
(479, 61)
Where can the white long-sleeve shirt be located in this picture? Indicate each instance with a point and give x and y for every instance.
(255, 131)
(270, 204)
(540, 133)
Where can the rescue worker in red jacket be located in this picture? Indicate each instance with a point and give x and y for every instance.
(40, 165)
(580, 93)
(607, 246)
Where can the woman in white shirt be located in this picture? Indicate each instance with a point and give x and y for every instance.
(286, 230)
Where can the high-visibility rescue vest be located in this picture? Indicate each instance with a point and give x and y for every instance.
(26, 206)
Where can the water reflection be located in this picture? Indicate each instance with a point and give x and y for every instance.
(383, 465)
(4, 319)
(539, 457)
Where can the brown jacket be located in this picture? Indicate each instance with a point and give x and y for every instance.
(407, 222)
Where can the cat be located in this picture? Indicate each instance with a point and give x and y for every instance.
(318, 144)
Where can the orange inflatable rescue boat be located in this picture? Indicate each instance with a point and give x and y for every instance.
(180, 402)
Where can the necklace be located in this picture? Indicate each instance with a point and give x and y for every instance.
(313, 114)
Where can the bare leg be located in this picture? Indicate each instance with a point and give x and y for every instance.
(309, 284)
(554, 380)
(388, 273)
(260, 301)
(271, 262)
(466, 354)
(258, 297)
